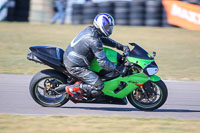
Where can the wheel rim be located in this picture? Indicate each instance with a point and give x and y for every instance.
(153, 101)
(43, 95)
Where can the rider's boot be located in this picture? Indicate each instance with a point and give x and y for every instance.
(78, 90)
(75, 91)
(91, 91)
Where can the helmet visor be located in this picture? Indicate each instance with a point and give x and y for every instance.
(108, 28)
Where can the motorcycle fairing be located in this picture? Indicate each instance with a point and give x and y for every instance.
(139, 56)
(110, 54)
(131, 81)
(141, 62)
(139, 52)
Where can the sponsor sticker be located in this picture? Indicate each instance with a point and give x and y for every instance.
(183, 14)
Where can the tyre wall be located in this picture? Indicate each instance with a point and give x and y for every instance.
(134, 13)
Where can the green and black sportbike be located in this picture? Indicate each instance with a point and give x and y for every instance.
(138, 83)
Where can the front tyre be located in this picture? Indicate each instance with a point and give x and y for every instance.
(42, 88)
(151, 98)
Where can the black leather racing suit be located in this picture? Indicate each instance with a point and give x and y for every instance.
(82, 50)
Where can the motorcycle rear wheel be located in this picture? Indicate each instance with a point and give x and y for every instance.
(41, 86)
(138, 99)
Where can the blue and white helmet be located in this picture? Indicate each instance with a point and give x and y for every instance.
(105, 23)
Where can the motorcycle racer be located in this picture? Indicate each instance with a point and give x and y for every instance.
(86, 46)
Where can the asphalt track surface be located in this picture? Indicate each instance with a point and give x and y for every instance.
(183, 102)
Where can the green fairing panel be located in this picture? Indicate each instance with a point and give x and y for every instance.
(132, 80)
(155, 78)
(110, 54)
(141, 62)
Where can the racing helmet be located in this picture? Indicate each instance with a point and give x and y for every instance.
(104, 22)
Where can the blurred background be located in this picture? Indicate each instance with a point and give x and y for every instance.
(125, 12)
(30, 22)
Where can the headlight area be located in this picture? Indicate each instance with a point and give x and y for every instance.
(151, 69)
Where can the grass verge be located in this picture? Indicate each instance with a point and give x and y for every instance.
(94, 124)
(177, 49)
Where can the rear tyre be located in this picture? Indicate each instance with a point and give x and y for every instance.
(42, 88)
(151, 102)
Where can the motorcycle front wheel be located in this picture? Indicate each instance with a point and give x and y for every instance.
(149, 100)
(42, 88)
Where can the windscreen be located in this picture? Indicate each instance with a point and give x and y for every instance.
(139, 52)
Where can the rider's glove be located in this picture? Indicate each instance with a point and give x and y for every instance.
(126, 49)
